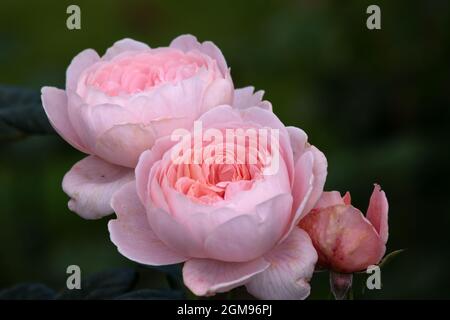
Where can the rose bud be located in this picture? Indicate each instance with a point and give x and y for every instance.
(116, 106)
(345, 240)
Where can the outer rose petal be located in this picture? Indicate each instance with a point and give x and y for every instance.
(77, 111)
(207, 277)
(188, 42)
(100, 118)
(377, 213)
(131, 233)
(79, 63)
(247, 237)
(91, 183)
(245, 98)
(220, 91)
(124, 45)
(310, 176)
(303, 184)
(55, 105)
(320, 176)
(174, 234)
(123, 144)
(145, 163)
(347, 198)
(299, 141)
(292, 265)
(329, 199)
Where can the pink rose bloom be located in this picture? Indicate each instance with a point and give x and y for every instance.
(116, 106)
(345, 240)
(231, 223)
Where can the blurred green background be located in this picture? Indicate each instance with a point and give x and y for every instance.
(376, 102)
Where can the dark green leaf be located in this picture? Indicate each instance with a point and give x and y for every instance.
(103, 285)
(21, 113)
(173, 273)
(150, 294)
(27, 291)
(389, 257)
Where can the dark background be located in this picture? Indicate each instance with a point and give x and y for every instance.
(376, 102)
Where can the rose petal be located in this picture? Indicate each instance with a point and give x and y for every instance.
(124, 45)
(347, 198)
(377, 213)
(198, 214)
(303, 184)
(55, 105)
(329, 199)
(267, 119)
(320, 175)
(123, 144)
(145, 164)
(79, 63)
(188, 42)
(299, 141)
(183, 102)
(250, 236)
(170, 100)
(173, 234)
(219, 92)
(291, 267)
(91, 183)
(310, 176)
(131, 233)
(207, 277)
(225, 113)
(246, 97)
(166, 126)
(77, 112)
(100, 118)
(256, 118)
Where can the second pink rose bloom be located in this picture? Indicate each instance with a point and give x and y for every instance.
(233, 223)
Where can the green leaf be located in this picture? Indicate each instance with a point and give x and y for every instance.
(103, 285)
(28, 291)
(21, 113)
(150, 294)
(389, 257)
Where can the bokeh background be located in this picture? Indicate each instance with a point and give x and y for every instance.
(376, 102)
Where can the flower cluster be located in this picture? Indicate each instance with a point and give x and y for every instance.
(200, 173)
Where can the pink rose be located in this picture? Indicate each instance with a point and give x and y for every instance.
(116, 106)
(345, 240)
(231, 223)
